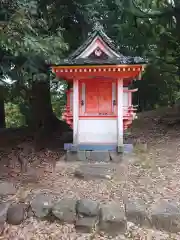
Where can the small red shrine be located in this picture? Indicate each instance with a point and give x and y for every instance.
(99, 104)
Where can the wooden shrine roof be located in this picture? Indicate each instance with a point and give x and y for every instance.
(109, 54)
(111, 61)
(96, 32)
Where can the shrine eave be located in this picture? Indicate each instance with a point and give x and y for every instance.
(109, 67)
(125, 71)
(111, 61)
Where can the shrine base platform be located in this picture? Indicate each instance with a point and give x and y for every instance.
(98, 153)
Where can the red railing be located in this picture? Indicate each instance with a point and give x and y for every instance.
(129, 114)
(68, 116)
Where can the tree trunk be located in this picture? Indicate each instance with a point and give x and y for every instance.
(46, 125)
(41, 105)
(2, 109)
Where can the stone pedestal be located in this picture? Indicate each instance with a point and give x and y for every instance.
(94, 156)
(97, 153)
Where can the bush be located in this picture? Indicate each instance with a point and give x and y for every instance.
(14, 118)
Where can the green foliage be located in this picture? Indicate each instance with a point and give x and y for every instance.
(58, 97)
(34, 34)
(14, 118)
(58, 106)
(18, 115)
(27, 47)
(154, 33)
(26, 34)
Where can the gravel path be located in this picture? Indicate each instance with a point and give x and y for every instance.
(145, 179)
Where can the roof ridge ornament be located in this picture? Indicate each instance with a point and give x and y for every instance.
(98, 27)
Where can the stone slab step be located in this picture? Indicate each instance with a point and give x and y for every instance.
(95, 171)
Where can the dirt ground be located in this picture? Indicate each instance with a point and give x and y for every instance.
(151, 176)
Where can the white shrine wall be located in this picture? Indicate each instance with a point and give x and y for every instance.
(97, 131)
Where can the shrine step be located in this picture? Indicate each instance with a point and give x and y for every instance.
(127, 148)
(95, 152)
(95, 156)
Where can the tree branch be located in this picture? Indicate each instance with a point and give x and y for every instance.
(168, 62)
(171, 72)
(134, 9)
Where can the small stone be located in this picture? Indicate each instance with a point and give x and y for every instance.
(7, 188)
(88, 207)
(41, 205)
(16, 213)
(136, 212)
(166, 216)
(65, 210)
(91, 171)
(3, 212)
(86, 224)
(112, 219)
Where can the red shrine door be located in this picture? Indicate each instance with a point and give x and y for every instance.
(97, 98)
(97, 121)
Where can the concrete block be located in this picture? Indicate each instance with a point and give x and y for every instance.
(120, 149)
(99, 156)
(76, 156)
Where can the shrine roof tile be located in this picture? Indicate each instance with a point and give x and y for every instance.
(97, 32)
(110, 61)
(73, 59)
